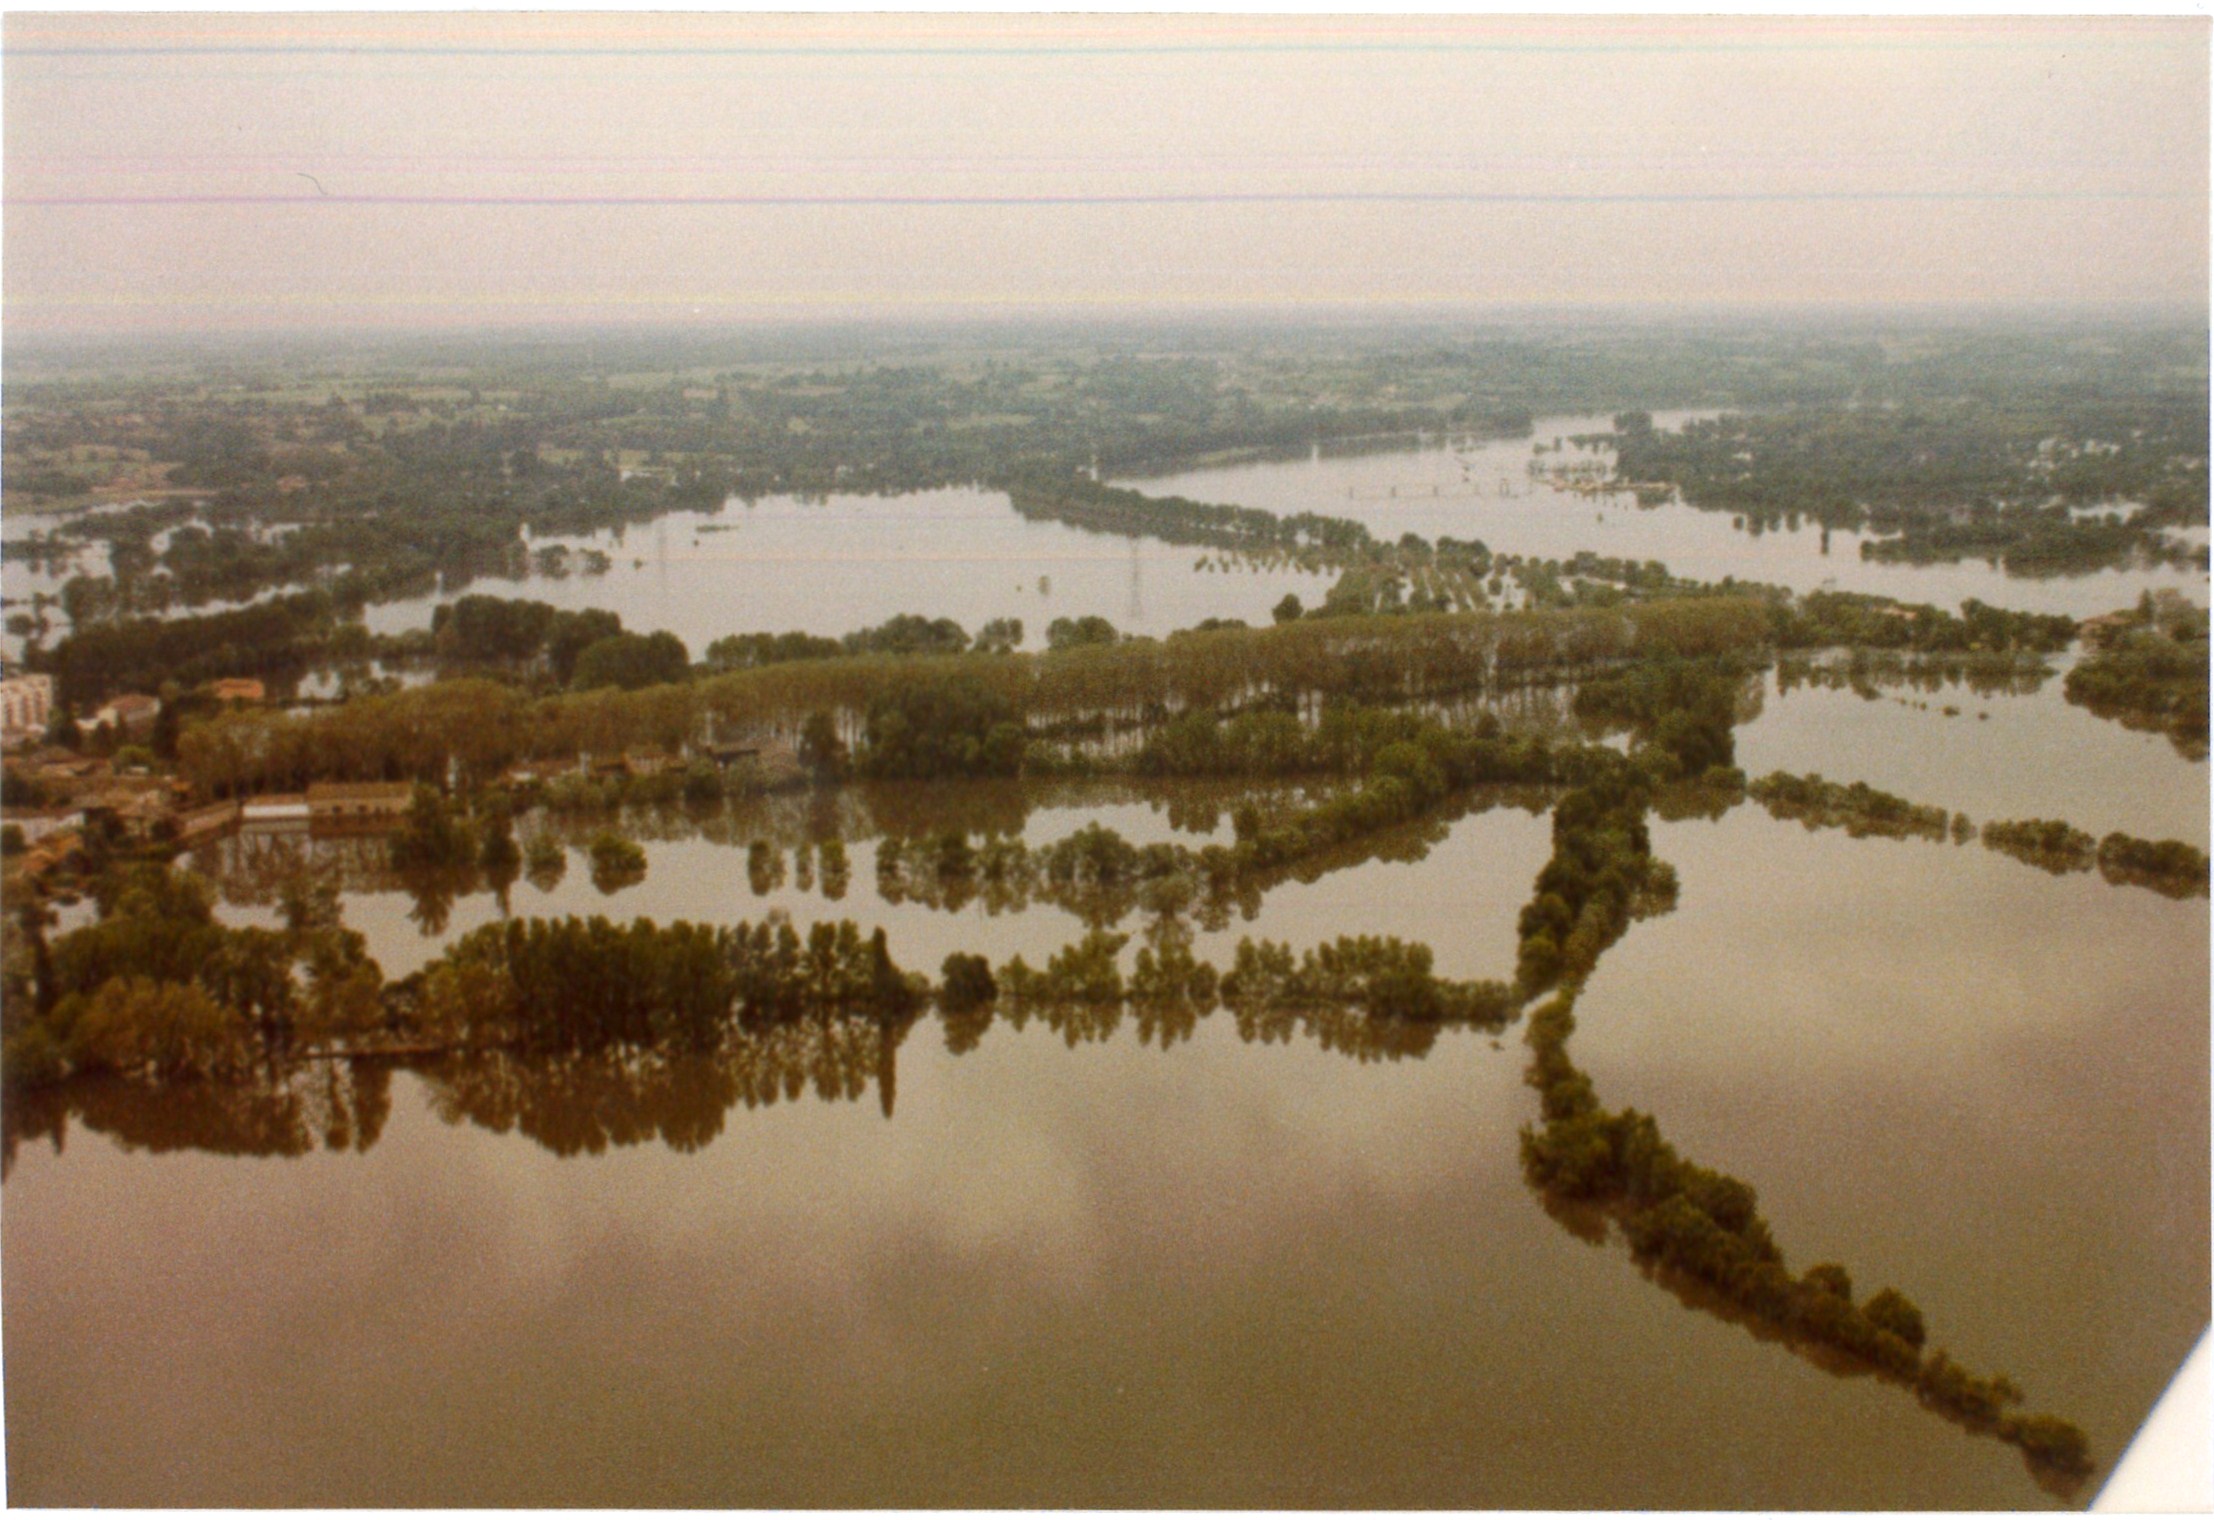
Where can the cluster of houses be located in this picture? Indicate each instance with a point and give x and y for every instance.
(85, 793)
(128, 806)
(135, 809)
(27, 712)
(27, 708)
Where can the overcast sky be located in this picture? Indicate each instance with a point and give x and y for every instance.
(241, 172)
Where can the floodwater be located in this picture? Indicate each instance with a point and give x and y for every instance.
(830, 566)
(1949, 1071)
(1067, 1265)
(1485, 491)
(702, 874)
(1999, 756)
(24, 580)
(1072, 1264)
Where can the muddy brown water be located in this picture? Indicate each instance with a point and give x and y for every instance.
(1211, 1271)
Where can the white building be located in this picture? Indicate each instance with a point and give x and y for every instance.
(276, 807)
(131, 713)
(26, 705)
(39, 823)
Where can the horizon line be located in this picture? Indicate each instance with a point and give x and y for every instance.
(923, 314)
(1111, 198)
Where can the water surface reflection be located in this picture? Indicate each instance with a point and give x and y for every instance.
(1157, 1257)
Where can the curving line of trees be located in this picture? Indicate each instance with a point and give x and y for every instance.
(1682, 1217)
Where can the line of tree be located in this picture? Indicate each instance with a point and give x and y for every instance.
(585, 1087)
(1838, 619)
(277, 640)
(2168, 866)
(1858, 808)
(581, 984)
(1683, 710)
(1686, 1218)
(1867, 672)
(156, 988)
(1081, 502)
(1412, 768)
(477, 727)
(1682, 1217)
(156, 992)
(1602, 876)
(2046, 843)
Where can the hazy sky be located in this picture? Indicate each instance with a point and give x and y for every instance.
(270, 171)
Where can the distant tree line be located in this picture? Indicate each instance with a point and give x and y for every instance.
(1945, 479)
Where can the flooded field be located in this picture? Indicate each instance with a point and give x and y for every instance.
(846, 562)
(699, 869)
(1104, 762)
(1992, 755)
(829, 567)
(1113, 1261)
(1279, 1274)
(1485, 491)
(1945, 1068)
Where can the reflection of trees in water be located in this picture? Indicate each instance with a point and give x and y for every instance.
(586, 1102)
(1162, 1024)
(1869, 672)
(624, 1094)
(860, 811)
(431, 894)
(1337, 1028)
(1541, 704)
(1699, 1232)
(1076, 1022)
(582, 1103)
(1694, 1293)
(280, 1111)
(1003, 876)
(252, 870)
